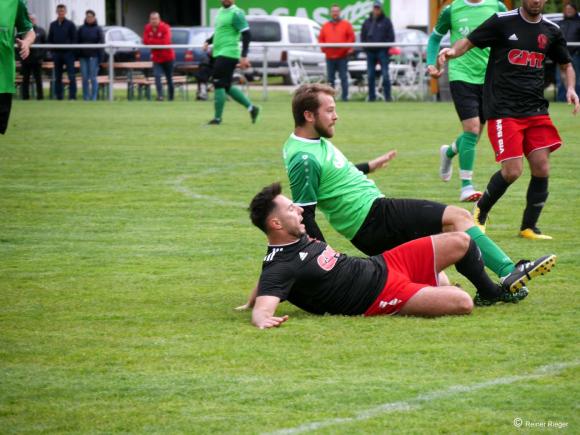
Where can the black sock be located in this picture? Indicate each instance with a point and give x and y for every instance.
(471, 266)
(494, 191)
(536, 198)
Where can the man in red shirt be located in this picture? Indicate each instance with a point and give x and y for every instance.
(158, 32)
(335, 31)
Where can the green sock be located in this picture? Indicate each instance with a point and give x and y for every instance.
(452, 150)
(493, 257)
(220, 102)
(239, 96)
(467, 157)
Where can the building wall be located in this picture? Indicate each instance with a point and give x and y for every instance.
(45, 10)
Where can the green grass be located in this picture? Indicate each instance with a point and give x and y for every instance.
(125, 245)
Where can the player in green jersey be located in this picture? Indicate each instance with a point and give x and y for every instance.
(466, 77)
(321, 176)
(13, 15)
(230, 23)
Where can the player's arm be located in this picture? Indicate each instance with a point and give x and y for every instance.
(442, 26)
(246, 37)
(251, 300)
(569, 77)
(309, 221)
(264, 310)
(23, 25)
(459, 49)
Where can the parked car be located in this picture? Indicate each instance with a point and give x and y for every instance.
(190, 35)
(128, 40)
(282, 32)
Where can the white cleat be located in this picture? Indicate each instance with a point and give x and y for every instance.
(469, 194)
(446, 167)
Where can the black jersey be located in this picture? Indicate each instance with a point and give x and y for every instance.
(514, 80)
(315, 278)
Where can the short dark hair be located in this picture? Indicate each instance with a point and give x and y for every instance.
(91, 12)
(263, 204)
(572, 5)
(306, 100)
(60, 6)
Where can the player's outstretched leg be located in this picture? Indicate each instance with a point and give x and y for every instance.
(537, 195)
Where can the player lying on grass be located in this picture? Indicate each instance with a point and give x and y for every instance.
(311, 275)
(321, 176)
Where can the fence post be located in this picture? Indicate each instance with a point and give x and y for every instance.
(265, 74)
(111, 52)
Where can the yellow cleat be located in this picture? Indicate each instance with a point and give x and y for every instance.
(534, 234)
(477, 220)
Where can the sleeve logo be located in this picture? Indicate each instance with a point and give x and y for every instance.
(327, 259)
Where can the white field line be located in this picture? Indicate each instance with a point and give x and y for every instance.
(414, 403)
(179, 187)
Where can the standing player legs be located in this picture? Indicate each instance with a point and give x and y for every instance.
(5, 107)
(537, 194)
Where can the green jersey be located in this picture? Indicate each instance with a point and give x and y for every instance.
(13, 14)
(320, 174)
(461, 17)
(229, 23)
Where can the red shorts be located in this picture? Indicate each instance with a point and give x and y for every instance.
(411, 267)
(515, 137)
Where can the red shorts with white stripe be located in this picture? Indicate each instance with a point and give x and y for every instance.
(515, 137)
(411, 267)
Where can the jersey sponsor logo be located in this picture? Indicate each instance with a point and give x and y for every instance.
(513, 37)
(542, 41)
(526, 58)
(464, 31)
(303, 255)
(327, 259)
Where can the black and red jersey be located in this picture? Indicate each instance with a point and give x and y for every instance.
(317, 279)
(514, 80)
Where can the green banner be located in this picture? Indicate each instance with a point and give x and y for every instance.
(354, 11)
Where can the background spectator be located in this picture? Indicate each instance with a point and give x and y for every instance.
(33, 63)
(378, 28)
(337, 30)
(570, 27)
(63, 31)
(158, 32)
(90, 33)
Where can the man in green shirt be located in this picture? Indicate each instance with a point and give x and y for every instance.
(320, 175)
(13, 15)
(466, 77)
(230, 23)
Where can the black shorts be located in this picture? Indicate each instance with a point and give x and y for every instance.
(5, 107)
(468, 100)
(392, 222)
(223, 71)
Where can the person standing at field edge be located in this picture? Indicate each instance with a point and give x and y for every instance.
(158, 32)
(13, 15)
(337, 30)
(230, 23)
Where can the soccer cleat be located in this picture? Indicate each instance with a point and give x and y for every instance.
(469, 194)
(446, 167)
(504, 296)
(254, 113)
(215, 121)
(526, 270)
(477, 219)
(534, 234)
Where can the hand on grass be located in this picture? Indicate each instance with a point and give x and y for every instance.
(271, 322)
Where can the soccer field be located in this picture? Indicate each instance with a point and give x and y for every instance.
(125, 244)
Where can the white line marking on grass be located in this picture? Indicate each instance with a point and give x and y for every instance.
(414, 403)
(179, 187)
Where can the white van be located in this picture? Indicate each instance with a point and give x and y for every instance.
(282, 32)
